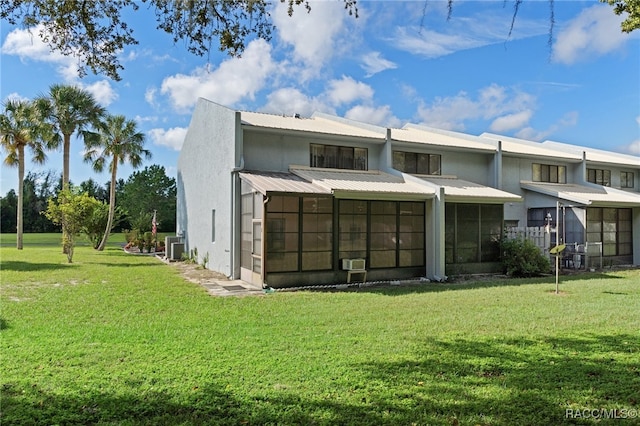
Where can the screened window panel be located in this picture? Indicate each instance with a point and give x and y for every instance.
(360, 159)
(608, 249)
(411, 258)
(625, 248)
(434, 165)
(282, 262)
(562, 174)
(410, 162)
(316, 242)
(383, 259)
(553, 174)
(316, 261)
(423, 164)
(398, 160)
(537, 172)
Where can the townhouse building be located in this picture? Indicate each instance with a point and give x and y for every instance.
(285, 201)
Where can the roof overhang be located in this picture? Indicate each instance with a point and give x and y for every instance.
(364, 184)
(591, 195)
(280, 182)
(462, 191)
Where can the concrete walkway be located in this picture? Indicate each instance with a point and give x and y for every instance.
(231, 288)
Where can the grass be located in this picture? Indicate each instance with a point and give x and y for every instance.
(116, 239)
(121, 339)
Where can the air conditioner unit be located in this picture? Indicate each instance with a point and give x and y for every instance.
(353, 264)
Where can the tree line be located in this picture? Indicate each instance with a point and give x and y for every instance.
(136, 199)
(48, 122)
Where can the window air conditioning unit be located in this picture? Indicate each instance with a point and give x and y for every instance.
(353, 264)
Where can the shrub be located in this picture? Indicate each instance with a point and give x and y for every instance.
(522, 258)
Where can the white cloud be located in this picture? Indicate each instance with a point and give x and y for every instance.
(511, 121)
(463, 33)
(15, 97)
(568, 120)
(594, 32)
(492, 102)
(172, 138)
(374, 63)
(347, 90)
(235, 79)
(313, 36)
(633, 148)
(102, 92)
(290, 101)
(382, 116)
(27, 45)
(150, 96)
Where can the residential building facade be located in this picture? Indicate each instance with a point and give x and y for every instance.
(290, 201)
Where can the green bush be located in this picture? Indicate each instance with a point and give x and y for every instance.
(522, 258)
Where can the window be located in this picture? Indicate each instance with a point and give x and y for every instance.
(391, 232)
(549, 173)
(626, 180)
(299, 233)
(599, 176)
(472, 232)
(353, 229)
(611, 227)
(317, 233)
(282, 236)
(338, 157)
(421, 164)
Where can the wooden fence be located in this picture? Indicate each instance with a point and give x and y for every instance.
(537, 234)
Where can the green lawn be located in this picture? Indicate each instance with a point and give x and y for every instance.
(121, 339)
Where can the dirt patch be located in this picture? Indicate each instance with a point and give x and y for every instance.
(197, 273)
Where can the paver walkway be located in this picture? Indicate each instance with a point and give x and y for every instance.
(216, 283)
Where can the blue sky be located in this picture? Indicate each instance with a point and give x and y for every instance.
(398, 62)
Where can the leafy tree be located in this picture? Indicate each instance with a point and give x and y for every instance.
(8, 209)
(95, 31)
(96, 224)
(38, 188)
(119, 142)
(148, 190)
(94, 189)
(18, 130)
(72, 210)
(69, 109)
(632, 7)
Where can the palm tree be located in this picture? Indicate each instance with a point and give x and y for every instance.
(19, 129)
(69, 109)
(119, 141)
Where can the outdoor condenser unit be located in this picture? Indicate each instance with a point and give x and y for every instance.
(353, 264)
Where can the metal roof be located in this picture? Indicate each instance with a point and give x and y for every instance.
(532, 149)
(597, 155)
(350, 182)
(459, 190)
(411, 133)
(594, 195)
(265, 182)
(314, 124)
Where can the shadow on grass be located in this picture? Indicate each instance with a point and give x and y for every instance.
(514, 381)
(19, 265)
(461, 381)
(486, 282)
(209, 405)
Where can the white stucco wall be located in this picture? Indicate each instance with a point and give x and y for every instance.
(205, 182)
(268, 151)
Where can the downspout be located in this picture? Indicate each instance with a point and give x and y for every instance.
(497, 169)
(234, 216)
